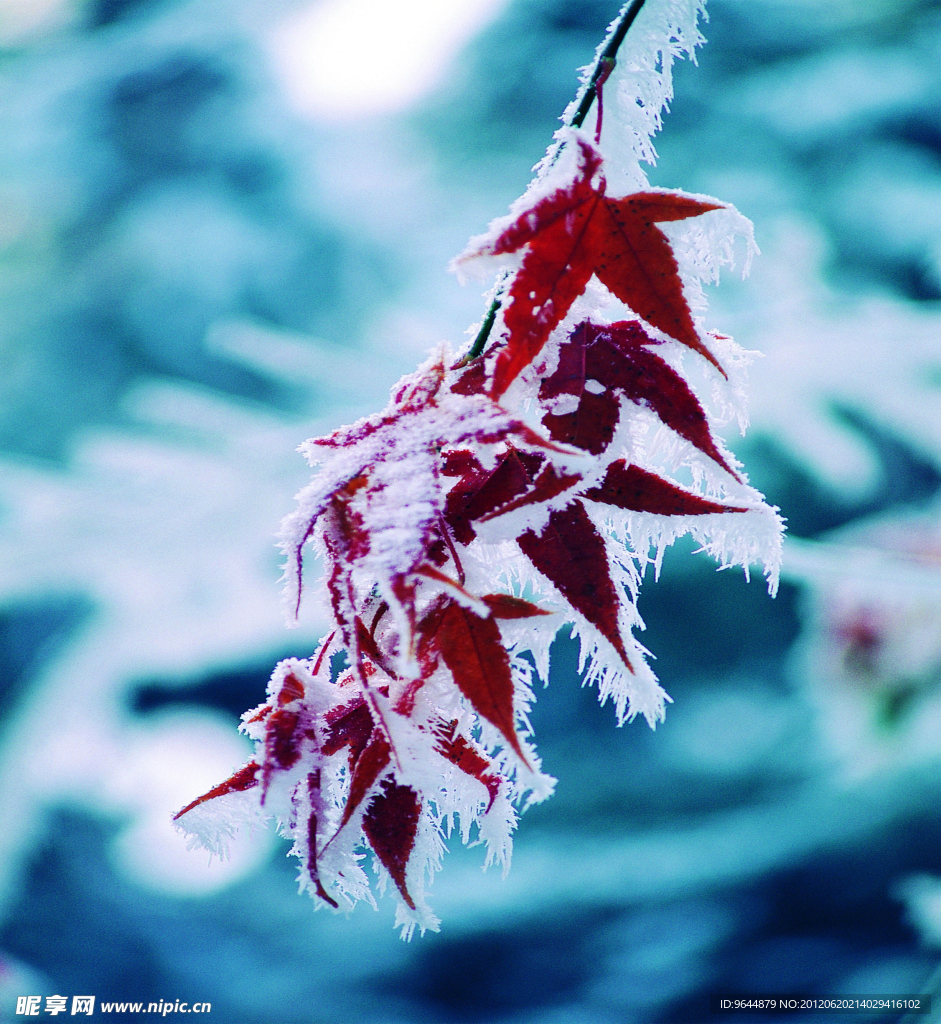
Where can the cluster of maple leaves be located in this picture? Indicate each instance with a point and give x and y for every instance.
(459, 532)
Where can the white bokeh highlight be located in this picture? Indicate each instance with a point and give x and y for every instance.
(348, 58)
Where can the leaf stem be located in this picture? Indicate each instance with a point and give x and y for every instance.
(604, 65)
(484, 332)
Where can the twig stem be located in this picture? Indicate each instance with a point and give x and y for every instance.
(604, 64)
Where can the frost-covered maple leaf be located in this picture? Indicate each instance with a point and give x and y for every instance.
(577, 231)
(598, 365)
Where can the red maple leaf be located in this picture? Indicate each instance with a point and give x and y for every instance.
(576, 232)
(472, 649)
(465, 755)
(390, 825)
(615, 359)
(638, 490)
(245, 778)
(571, 554)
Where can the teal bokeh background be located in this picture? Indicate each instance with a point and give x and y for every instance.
(195, 277)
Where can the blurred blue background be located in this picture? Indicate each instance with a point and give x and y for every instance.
(223, 228)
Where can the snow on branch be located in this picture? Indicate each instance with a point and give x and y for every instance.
(494, 499)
